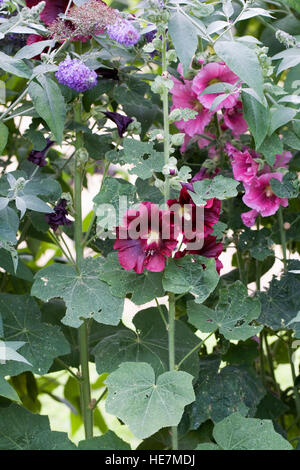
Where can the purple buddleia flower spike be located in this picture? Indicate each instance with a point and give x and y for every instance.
(59, 216)
(38, 157)
(121, 121)
(123, 32)
(76, 75)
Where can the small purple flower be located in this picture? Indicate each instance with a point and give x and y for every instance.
(39, 157)
(123, 32)
(76, 75)
(59, 216)
(120, 120)
(150, 35)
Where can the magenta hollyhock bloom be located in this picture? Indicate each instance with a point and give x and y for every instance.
(184, 97)
(249, 218)
(259, 195)
(234, 120)
(215, 72)
(147, 249)
(244, 167)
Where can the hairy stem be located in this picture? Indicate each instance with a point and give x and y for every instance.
(85, 388)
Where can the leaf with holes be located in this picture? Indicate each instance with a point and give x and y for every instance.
(84, 294)
(144, 403)
(233, 315)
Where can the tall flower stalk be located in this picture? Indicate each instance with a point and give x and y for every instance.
(171, 325)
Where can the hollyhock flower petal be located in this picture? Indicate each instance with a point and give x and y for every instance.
(249, 218)
(282, 160)
(184, 97)
(120, 120)
(234, 120)
(244, 167)
(213, 73)
(52, 9)
(259, 195)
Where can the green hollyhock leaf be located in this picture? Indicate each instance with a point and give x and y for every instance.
(42, 342)
(6, 390)
(233, 315)
(257, 117)
(135, 150)
(288, 188)
(220, 393)
(144, 403)
(271, 407)
(219, 229)
(187, 275)
(219, 187)
(149, 343)
(238, 433)
(49, 103)
(280, 304)
(115, 192)
(243, 62)
(109, 441)
(52, 440)
(84, 294)
(257, 242)
(143, 287)
(280, 116)
(18, 427)
(271, 147)
(184, 35)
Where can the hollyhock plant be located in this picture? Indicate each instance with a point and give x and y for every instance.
(120, 120)
(38, 157)
(260, 197)
(249, 218)
(211, 73)
(150, 250)
(76, 75)
(244, 167)
(59, 216)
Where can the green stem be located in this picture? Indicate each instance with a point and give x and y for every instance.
(85, 388)
(294, 376)
(171, 326)
(262, 359)
(194, 349)
(171, 339)
(283, 238)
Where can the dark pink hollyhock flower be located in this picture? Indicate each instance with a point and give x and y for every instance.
(249, 218)
(184, 97)
(59, 216)
(39, 157)
(260, 197)
(120, 120)
(234, 120)
(210, 74)
(149, 248)
(244, 167)
(282, 160)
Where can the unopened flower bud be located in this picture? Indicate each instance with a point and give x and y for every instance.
(82, 156)
(286, 225)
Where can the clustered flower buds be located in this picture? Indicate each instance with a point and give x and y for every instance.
(123, 32)
(286, 39)
(76, 75)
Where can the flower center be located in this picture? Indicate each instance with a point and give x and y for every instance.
(153, 237)
(197, 106)
(213, 81)
(268, 191)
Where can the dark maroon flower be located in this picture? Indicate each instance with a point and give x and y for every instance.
(52, 9)
(39, 157)
(146, 239)
(120, 120)
(108, 73)
(59, 216)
